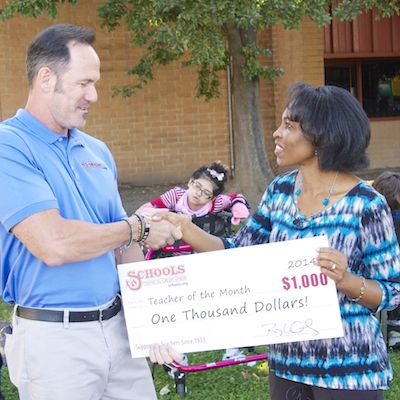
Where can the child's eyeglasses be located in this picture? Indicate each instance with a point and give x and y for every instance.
(203, 192)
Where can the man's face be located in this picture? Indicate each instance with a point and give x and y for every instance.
(75, 89)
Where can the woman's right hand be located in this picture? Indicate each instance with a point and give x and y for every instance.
(181, 221)
(191, 233)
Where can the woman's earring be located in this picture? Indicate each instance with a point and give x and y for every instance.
(316, 153)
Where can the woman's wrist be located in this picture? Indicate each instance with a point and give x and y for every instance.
(353, 286)
(363, 288)
(348, 284)
(185, 224)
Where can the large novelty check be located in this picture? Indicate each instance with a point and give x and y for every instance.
(270, 293)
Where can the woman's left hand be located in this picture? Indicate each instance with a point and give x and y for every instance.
(164, 354)
(333, 263)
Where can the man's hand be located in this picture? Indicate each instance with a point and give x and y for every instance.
(191, 233)
(162, 231)
(181, 221)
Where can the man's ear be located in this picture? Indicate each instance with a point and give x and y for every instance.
(46, 79)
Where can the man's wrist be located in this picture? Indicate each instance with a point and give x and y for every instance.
(139, 230)
(132, 230)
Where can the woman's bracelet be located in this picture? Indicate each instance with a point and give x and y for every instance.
(362, 290)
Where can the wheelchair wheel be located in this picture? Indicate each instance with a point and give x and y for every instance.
(180, 384)
(181, 389)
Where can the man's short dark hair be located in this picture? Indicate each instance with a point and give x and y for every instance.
(333, 120)
(50, 49)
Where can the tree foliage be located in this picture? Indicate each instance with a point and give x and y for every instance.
(195, 31)
(172, 29)
(31, 8)
(210, 35)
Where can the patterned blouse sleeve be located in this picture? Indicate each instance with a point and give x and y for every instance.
(257, 228)
(381, 254)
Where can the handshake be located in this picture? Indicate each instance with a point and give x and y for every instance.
(165, 227)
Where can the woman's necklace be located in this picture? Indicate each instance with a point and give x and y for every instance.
(325, 201)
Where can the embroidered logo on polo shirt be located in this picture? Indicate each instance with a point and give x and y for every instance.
(93, 164)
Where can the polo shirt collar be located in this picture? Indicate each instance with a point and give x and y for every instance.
(40, 130)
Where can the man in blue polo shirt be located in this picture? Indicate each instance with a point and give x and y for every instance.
(63, 228)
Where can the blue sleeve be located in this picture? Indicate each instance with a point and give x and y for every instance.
(24, 189)
(380, 251)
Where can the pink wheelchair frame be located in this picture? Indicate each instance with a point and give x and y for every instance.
(180, 371)
(182, 248)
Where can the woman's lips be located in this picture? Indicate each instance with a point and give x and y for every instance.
(278, 150)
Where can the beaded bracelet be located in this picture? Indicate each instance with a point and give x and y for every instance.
(146, 231)
(140, 231)
(362, 290)
(132, 234)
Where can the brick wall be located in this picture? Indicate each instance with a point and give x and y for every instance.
(162, 133)
(384, 148)
(300, 53)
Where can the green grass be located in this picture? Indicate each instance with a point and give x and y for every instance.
(239, 382)
(394, 392)
(5, 311)
(8, 389)
(229, 383)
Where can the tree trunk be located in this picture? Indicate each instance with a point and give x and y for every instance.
(252, 169)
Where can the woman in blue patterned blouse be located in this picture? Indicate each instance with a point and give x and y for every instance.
(324, 133)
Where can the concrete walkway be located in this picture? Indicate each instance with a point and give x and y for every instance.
(134, 196)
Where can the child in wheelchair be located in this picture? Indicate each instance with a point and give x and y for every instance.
(203, 197)
(210, 209)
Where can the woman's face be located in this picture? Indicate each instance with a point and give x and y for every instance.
(200, 192)
(291, 146)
